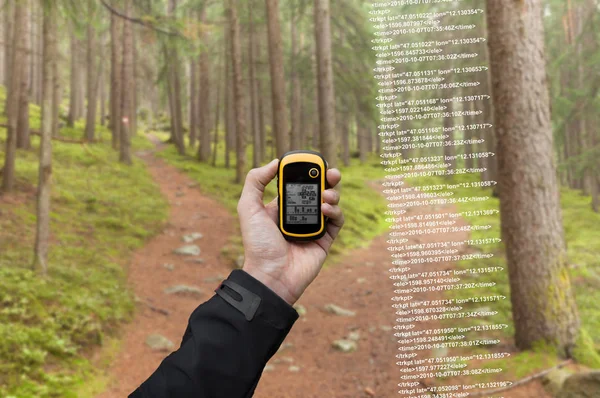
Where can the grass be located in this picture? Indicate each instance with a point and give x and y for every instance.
(583, 248)
(101, 211)
(362, 205)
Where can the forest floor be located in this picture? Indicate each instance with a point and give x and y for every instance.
(306, 365)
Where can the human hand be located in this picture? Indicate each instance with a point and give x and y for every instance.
(285, 267)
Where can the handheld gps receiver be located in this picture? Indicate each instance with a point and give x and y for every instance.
(301, 180)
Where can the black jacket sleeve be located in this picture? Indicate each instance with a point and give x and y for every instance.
(222, 355)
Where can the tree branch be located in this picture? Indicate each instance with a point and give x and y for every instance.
(140, 21)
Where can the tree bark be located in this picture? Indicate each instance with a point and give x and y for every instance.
(194, 90)
(23, 140)
(115, 81)
(8, 172)
(40, 261)
(127, 92)
(296, 88)
(92, 78)
(204, 100)
(238, 87)
(327, 123)
(449, 150)
(9, 16)
(252, 82)
(75, 81)
(280, 122)
(543, 305)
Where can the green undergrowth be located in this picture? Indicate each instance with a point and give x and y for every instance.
(362, 205)
(100, 212)
(581, 229)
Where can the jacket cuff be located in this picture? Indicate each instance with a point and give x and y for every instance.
(272, 309)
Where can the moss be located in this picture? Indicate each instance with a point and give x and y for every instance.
(585, 352)
(100, 211)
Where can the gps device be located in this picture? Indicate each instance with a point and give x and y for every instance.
(301, 180)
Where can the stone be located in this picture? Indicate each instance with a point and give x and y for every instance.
(158, 342)
(294, 368)
(440, 352)
(581, 385)
(369, 391)
(239, 262)
(269, 368)
(344, 345)
(554, 380)
(285, 346)
(385, 328)
(214, 279)
(283, 360)
(184, 290)
(337, 310)
(194, 236)
(300, 309)
(370, 264)
(188, 250)
(361, 280)
(196, 260)
(168, 266)
(179, 194)
(354, 336)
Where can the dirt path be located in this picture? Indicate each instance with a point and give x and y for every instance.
(307, 366)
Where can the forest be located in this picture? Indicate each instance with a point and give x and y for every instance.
(129, 125)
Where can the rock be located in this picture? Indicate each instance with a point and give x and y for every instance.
(554, 380)
(361, 280)
(184, 290)
(337, 310)
(354, 336)
(179, 194)
(168, 266)
(196, 260)
(188, 250)
(372, 329)
(294, 368)
(300, 309)
(369, 391)
(192, 184)
(370, 264)
(440, 352)
(285, 346)
(194, 236)
(385, 328)
(283, 360)
(269, 368)
(214, 279)
(159, 343)
(581, 385)
(239, 262)
(344, 345)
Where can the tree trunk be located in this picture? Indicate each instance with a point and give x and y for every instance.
(449, 150)
(23, 140)
(75, 81)
(92, 78)
(280, 122)
(115, 81)
(262, 135)
(193, 102)
(543, 305)
(8, 172)
(204, 100)
(127, 92)
(240, 115)
(40, 261)
(252, 83)
(295, 78)
(327, 130)
(221, 67)
(9, 16)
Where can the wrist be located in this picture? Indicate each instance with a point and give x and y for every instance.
(272, 283)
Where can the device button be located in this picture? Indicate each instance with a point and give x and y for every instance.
(314, 173)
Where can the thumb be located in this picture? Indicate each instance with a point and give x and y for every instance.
(254, 187)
